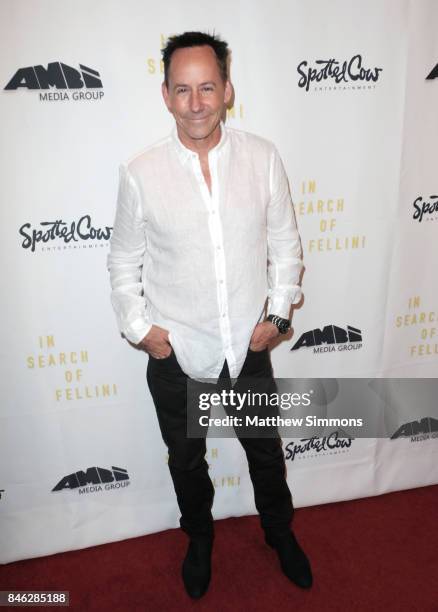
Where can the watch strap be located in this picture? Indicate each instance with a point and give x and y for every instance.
(283, 325)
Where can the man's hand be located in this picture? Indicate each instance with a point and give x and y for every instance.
(156, 343)
(262, 335)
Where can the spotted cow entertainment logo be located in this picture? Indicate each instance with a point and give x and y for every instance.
(93, 480)
(417, 431)
(425, 209)
(59, 82)
(330, 338)
(350, 74)
(74, 234)
(338, 441)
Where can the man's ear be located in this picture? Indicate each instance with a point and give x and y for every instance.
(165, 94)
(228, 92)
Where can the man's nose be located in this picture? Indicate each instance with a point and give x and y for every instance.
(195, 102)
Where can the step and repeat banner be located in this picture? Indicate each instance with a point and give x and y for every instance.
(348, 92)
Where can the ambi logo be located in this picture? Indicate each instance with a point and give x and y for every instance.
(60, 77)
(424, 428)
(93, 480)
(433, 74)
(336, 338)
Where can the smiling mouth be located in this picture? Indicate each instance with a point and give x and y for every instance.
(198, 119)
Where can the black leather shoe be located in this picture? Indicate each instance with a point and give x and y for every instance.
(293, 561)
(196, 567)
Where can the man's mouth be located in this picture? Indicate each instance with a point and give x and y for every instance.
(198, 118)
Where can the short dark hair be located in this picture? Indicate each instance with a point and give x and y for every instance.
(196, 39)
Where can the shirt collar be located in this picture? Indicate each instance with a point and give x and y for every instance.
(184, 153)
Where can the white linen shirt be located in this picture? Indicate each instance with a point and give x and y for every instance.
(200, 265)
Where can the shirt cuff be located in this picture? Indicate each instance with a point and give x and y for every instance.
(280, 305)
(137, 331)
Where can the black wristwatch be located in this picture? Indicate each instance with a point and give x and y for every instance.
(283, 325)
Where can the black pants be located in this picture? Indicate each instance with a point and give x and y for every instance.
(188, 466)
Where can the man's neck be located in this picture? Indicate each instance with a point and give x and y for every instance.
(200, 146)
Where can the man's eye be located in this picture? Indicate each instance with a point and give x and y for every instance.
(181, 90)
(207, 88)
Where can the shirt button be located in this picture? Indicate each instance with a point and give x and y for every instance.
(223, 315)
(221, 282)
(218, 247)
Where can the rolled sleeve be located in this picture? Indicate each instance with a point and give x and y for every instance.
(125, 261)
(284, 245)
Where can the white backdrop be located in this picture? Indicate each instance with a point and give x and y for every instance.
(359, 154)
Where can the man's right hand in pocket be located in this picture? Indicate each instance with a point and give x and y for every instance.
(156, 343)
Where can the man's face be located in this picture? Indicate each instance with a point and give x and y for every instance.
(196, 94)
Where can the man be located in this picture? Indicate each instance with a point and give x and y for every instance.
(204, 234)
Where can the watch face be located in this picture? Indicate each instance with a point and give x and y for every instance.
(283, 327)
